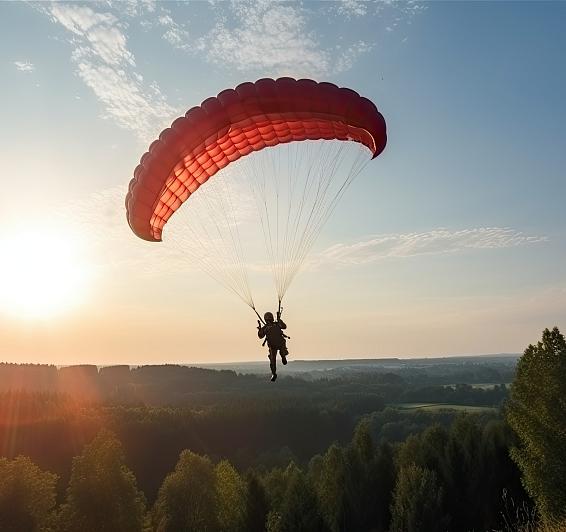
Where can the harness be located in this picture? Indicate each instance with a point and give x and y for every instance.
(282, 333)
(260, 321)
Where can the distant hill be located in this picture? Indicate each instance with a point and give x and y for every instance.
(371, 364)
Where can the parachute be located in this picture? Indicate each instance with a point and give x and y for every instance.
(292, 187)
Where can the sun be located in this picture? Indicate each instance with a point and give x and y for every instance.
(41, 273)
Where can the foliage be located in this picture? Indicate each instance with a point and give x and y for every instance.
(188, 499)
(471, 463)
(537, 412)
(27, 496)
(231, 491)
(102, 492)
(417, 501)
(257, 504)
(298, 509)
(322, 455)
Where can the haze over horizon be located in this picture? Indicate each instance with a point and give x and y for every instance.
(458, 240)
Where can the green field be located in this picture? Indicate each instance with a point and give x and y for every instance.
(484, 386)
(436, 407)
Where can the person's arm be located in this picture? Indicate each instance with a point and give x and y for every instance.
(280, 321)
(260, 331)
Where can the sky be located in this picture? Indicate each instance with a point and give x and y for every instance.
(453, 241)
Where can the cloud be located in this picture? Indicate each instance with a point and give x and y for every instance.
(174, 33)
(348, 56)
(404, 10)
(100, 219)
(265, 36)
(136, 8)
(271, 38)
(24, 66)
(106, 65)
(277, 38)
(438, 241)
(352, 8)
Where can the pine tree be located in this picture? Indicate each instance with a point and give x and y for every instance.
(537, 412)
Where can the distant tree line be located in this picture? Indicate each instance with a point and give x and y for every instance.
(173, 385)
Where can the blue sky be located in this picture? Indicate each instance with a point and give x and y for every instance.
(458, 242)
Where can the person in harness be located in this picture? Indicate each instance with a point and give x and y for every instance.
(273, 333)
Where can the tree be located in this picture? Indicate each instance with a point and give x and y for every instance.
(417, 502)
(384, 473)
(257, 505)
(27, 496)
(330, 486)
(299, 511)
(231, 493)
(464, 474)
(362, 478)
(537, 412)
(102, 492)
(187, 500)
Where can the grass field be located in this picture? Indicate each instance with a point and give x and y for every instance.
(436, 407)
(484, 386)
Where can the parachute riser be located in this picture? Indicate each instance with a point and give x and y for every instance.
(258, 316)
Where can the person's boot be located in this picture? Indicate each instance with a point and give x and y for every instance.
(273, 377)
(284, 359)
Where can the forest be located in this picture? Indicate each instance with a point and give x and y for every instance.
(470, 444)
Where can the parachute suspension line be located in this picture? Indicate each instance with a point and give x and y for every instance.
(219, 204)
(232, 224)
(258, 184)
(208, 234)
(291, 220)
(325, 210)
(293, 190)
(292, 173)
(320, 189)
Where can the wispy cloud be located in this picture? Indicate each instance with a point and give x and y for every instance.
(348, 56)
(279, 38)
(438, 241)
(264, 36)
(106, 65)
(352, 8)
(100, 219)
(400, 11)
(24, 66)
(136, 8)
(174, 33)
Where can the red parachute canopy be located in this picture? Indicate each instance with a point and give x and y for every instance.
(237, 122)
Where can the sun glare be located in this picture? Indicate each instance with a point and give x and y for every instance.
(41, 274)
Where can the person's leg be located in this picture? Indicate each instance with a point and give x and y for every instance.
(284, 352)
(273, 363)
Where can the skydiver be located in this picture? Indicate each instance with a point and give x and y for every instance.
(273, 333)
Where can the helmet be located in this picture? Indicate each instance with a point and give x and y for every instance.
(268, 317)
